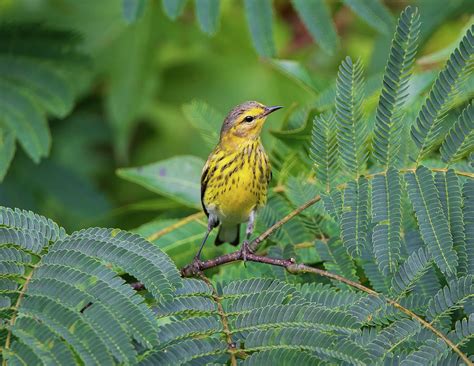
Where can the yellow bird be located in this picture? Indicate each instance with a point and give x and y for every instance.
(235, 178)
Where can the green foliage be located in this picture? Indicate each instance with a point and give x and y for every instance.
(259, 17)
(317, 18)
(133, 9)
(426, 131)
(386, 215)
(388, 125)
(374, 13)
(459, 141)
(463, 330)
(205, 119)
(324, 150)
(401, 227)
(415, 266)
(38, 78)
(207, 12)
(129, 65)
(352, 130)
(354, 219)
(178, 178)
(434, 226)
(173, 9)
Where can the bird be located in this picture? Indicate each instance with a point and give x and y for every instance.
(235, 178)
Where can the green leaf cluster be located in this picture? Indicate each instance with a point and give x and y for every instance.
(390, 158)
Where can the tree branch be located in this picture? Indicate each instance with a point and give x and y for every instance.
(259, 239)
(196, 268)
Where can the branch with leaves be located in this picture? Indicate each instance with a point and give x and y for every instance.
(196, 268)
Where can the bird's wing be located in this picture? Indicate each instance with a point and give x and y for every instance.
(204, 181)
(269, 172)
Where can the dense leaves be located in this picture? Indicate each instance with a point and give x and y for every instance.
(40, 72)
(401, 227)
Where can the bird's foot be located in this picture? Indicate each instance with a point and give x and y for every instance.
(193, 268)
(245, 251)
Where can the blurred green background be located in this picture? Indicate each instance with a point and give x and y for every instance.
(138, 70)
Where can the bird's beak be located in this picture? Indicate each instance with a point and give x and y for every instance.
(269, 110)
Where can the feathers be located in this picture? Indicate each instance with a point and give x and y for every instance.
(234, 183)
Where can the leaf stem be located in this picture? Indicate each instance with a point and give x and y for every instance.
(15, 314)
(258, 240)
(291, 266)
(231, 346)
(295, 268)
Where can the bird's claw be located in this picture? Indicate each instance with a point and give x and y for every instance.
(245, 251)
(193, 268)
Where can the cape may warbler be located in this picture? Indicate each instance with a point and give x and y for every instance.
(235, 178)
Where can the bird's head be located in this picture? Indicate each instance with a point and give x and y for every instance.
(246, 121)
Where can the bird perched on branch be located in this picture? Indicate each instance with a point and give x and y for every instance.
(235, 178)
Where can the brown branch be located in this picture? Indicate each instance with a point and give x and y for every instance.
(291, 266)
(259, 239)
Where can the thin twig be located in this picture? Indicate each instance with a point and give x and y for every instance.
(440, 170)
(291, 266)
(15, 314)
(256, 242)
(231, 346)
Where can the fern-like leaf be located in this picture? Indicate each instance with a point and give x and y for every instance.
(351, 127)
(468, 214)
(31, 223)
(463, 331)
(42, 341)
(450, 297)
(186, 351)
(426, 129)
(90, 276)
(38, 77)
(192, 327)
(160, 282)
(336, 259)
(460, 139)
(388, 122)
(310, 340)
(328, 296)
(332, 202)
(205, 119)
(281, 357)
(386, 215)
(296, 316)
(449, 191)
(410, 272)
(433, 224)
(392, 336)
(429, 353)
(324, 150)
(71, 326)
(355, 214)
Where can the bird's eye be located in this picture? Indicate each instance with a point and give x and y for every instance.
(248, 119)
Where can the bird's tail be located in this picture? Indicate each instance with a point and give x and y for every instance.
(228, 234)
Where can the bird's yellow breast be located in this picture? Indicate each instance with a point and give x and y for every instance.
(235, 183)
